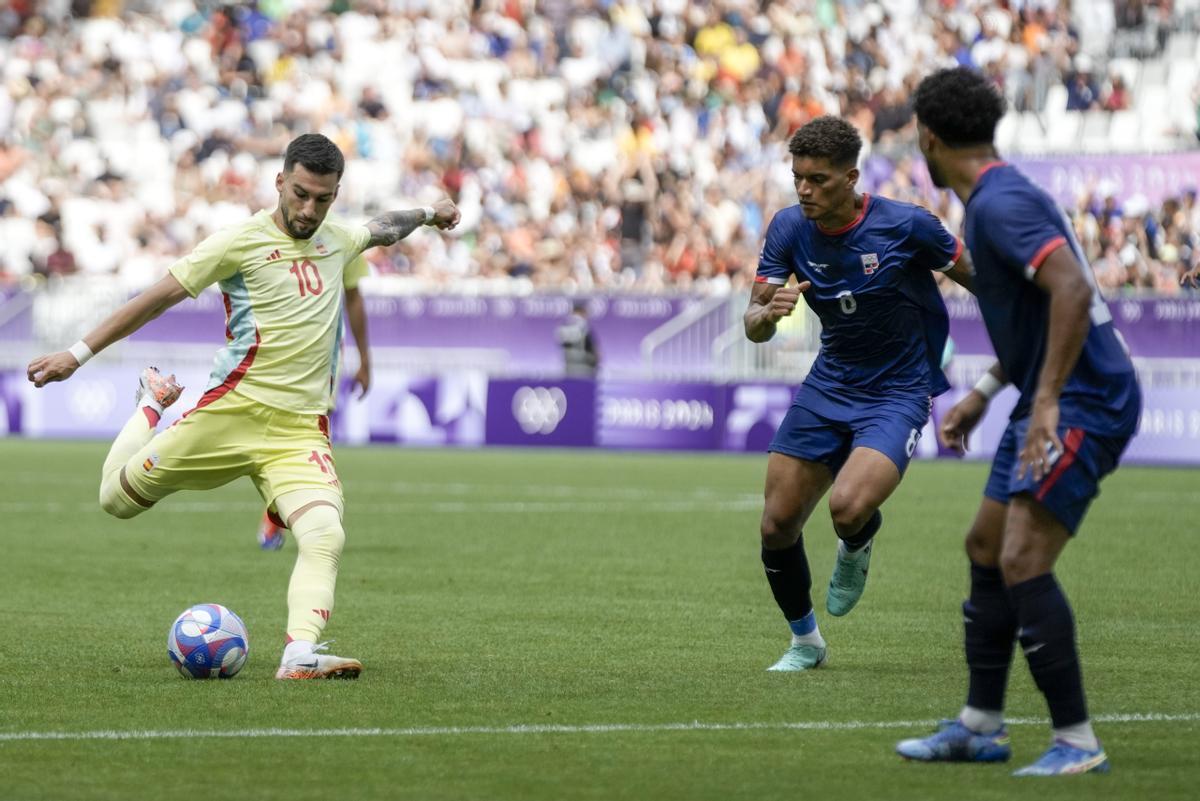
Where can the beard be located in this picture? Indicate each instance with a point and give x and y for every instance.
(293, 228)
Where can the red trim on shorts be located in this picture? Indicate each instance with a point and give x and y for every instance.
(1045, 250)
(323, 424)
(231, 380)
(989, 166)
(1071, 443)
(852, 223)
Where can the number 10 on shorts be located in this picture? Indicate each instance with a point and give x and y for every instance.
(325, 462)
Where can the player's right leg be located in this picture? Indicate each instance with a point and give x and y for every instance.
(798, 474)
(989, 634)
(296, 475)
(315, 519)
(154, 394)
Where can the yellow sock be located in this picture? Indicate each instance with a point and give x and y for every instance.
(137, 431)
(319, 537)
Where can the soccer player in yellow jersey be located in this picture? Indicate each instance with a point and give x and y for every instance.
(263, 414)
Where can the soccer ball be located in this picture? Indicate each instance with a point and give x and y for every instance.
(208, 641)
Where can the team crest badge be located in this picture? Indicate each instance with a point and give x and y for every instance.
(870, 263)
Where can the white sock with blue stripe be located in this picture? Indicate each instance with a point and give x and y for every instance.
(805, 631)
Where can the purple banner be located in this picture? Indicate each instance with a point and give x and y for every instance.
(521, 331)
(754, 412)
(1155, 177)
(465, 408)
(16, 317)
(660, 416)
(1154, 328)
(448, 409)
(561, 413)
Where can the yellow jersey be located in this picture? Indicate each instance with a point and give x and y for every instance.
(283, 308)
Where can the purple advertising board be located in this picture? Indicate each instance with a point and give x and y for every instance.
(554, 413)
(411, 409)
(466, 408)
(1153, 327)
(520, 331)
(660, 415)
(1155, 176)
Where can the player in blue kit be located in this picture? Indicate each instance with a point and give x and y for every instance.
(863, 265)
(1078, 408)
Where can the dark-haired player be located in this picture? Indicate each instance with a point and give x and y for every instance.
(264, 412)
(1079, 406)
(863, 265)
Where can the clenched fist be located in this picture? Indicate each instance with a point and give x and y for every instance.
(784, 301)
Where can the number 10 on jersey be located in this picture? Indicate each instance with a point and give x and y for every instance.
(307, 277)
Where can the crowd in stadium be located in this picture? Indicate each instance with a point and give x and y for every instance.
(624, 144)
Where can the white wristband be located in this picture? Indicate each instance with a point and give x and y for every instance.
(988, 386)
(81, 352)
(429, 214)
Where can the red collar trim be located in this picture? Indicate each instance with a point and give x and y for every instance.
(989, 166)
(852, 223)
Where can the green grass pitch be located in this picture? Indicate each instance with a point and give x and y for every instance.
(617, 597)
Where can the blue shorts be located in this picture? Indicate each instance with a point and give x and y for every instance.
(1073, 480)
(825, 427)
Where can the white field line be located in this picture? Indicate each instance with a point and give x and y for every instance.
(544, 728)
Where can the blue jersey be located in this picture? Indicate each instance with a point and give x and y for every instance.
(1011, 227)
(884, 325)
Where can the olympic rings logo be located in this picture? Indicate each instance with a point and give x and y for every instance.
(539, 410)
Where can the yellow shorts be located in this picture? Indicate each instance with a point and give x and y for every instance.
(232, 437)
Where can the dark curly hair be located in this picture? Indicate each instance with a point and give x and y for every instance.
(827, 138)
(960, 106)
(317, 153)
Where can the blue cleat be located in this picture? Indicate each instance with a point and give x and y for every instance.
(1063, 759)
(271, 537)
(849, 579)
(800, 657)
(954, 742)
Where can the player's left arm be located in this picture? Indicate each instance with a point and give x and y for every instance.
(392, 226)
(356, 315)
(936, 248)
(1062, 277)
(962, 271)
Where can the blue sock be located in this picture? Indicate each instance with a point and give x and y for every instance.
(1047, 635)
(805, 625)
(989, 633)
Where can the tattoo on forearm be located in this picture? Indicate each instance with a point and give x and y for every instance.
(390, 227)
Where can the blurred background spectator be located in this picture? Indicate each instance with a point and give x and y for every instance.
(592, 144)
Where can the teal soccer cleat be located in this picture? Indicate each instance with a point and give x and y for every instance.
(801, 657)
(1063, 759)
(954, 742)
(849, 579)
